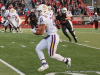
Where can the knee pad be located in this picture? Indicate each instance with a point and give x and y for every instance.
(37, 49)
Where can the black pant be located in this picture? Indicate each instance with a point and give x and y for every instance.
(68, 26)
(96, 24)
(33, 24)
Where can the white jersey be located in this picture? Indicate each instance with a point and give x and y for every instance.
(14, 20)
(12, 16)
(6, 14)
(69, 13)
(50, 25)
(50, 13)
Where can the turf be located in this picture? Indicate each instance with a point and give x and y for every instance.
(19, 51)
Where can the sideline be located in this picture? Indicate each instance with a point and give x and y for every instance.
(16, 70)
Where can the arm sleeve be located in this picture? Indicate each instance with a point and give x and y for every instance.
(42, 20)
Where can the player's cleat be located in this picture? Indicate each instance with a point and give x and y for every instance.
(21, 31)
(75, 36)
(68, 62)
(17, 31)
(2, 31)
(43, 67)
(70, 40)
(75, 40)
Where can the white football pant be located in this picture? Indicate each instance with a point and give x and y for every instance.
(51, 43)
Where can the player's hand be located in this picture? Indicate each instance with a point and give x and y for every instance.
(33, 31)
(9, 21)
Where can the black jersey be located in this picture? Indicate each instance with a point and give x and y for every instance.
(63, 22)
(32, 17)
(58, 17)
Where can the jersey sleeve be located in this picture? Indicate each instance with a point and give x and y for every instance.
(57, 17)
(64, 14)
(42, 20)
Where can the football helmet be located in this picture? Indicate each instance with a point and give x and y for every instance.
(43, 9)
(49, 8)
(64, 10)
(7, 11)
(58, 10)
(12, 10)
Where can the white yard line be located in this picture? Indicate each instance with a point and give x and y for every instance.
(23, 46)
(2, 46)
(83, 45)
(13, 68)
(87, 32)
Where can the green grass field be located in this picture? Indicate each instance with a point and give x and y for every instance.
(18, 50)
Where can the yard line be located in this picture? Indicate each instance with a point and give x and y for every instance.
(83, 45)
(16, 70)
(87, 32)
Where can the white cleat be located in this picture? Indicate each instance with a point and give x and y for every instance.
(43, 67)
(69, 62)
(2, 31)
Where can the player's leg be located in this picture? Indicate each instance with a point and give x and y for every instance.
(72, 33)
(15, 25)
(69, 27)
(35, 24)
(41, 46)
(65, 33)
(6, 24)
(52, 47)
(32, 25)
(72, 28)
(10, 27)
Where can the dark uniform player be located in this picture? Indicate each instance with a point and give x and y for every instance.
(33, 19)
(63, 18)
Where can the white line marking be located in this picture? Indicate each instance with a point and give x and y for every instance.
(84, 45)
(12, 42)
(87, 32)
(32, 42)
(16, 70)
(2, 46)
(64, 45)
(23, 46)
(87, 41)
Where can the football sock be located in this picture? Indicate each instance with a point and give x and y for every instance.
(43, 61)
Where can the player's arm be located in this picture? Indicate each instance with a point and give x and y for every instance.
(39, 31)
(8, 18)
(17, 19)
(56, 22)
(67, 18)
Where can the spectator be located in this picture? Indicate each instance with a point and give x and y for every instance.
(72, 9)
(77, 12)
(0, 6)
(33, 3)
(0, 19)
(3, 8)
(11, 6)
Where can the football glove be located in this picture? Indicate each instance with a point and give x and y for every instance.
(33, 30)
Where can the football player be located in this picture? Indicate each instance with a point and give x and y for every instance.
(50, 12)
(14, 20)
(6, 22)
(50, 41)
(64, 20)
